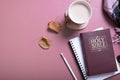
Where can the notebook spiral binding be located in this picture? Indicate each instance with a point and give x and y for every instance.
(78, 60)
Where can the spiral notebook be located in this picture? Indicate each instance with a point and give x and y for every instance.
(75, 44)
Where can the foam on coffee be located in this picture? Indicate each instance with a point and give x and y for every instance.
(79, 12)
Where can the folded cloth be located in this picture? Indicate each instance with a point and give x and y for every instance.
(112, 7)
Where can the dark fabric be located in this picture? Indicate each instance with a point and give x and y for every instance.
(112, 8)
(116, 15)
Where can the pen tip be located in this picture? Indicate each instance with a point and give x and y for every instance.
(61, 54)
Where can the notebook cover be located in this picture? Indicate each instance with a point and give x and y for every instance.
(98, 52)
(77, 51)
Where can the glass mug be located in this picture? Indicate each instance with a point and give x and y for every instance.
(78, 14)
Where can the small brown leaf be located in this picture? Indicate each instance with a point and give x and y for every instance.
(44, 42)
(55, 26)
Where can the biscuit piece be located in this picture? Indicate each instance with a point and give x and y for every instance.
(44, 42)
(55, 26)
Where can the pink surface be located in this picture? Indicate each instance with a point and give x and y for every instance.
(23, 23)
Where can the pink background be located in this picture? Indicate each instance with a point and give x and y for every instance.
(24, 22)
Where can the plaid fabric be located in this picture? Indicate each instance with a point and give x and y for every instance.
(112, 7)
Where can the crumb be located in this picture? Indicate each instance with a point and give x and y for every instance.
(55, 26)
(44, 42)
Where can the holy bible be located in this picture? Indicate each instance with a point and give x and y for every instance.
(98, 52)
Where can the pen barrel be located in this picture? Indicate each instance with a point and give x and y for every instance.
(67, 64)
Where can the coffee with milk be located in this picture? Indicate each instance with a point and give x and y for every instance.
(78, 14)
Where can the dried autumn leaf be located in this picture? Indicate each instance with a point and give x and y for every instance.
(44, 42)
(55, 26)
